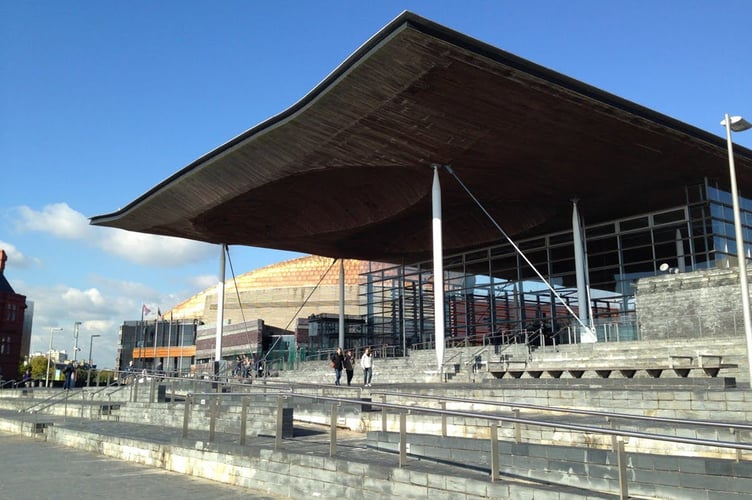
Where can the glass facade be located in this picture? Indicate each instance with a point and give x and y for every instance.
(493, 293)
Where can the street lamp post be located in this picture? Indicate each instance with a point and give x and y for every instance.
(75, 336)
(49, 357)
(739, 124)
(91, 341)
(88, 372)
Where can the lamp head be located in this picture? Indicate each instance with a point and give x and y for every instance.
(737, 123)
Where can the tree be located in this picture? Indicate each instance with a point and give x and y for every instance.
(39, 367)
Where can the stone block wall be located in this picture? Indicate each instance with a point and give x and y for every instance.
(689, 305)
(653, 476)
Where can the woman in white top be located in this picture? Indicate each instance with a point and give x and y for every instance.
(366, 362)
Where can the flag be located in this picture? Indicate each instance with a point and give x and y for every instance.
(159, 313)
(145, 310)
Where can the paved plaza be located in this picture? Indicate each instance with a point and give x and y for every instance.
(32, 469)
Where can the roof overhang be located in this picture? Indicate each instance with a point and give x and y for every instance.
(346, 171)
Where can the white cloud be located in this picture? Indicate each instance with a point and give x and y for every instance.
(57, 219)
(204, 281)
(61, 221)
(153, 250)
(16, 259)
(62, 306)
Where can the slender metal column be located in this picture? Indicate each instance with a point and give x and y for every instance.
(438, 272)
(741, 257)
(341, 303)
(220, 304)
(579, 264)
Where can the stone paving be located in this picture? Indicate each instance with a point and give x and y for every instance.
(310, 441)
(32, 469)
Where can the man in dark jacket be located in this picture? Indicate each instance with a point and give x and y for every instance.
(68, 372)
(338, 360)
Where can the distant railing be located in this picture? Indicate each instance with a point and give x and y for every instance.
(493, 421)
(285, 392)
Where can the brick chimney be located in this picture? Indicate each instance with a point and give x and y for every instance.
(3, 258)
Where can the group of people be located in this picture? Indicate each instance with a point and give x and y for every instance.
(346, 360)
(248, 366)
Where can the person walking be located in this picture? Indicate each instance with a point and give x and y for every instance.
(366, 362)
(348, 364)
(68, 371)
(338, 359)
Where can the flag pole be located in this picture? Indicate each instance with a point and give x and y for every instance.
(142, 334)
(169, 341)
(156, 333)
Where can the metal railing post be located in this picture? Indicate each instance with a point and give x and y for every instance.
(187, 414)
(614, 426)
(383, 414)
(243, 418)
(738, 438)
(443, 420)
(333, 431)
(621, 461)
(213, 413)
(403, 439)
(280, 422)
(494, 452)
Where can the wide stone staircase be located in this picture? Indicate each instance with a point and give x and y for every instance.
(485, 363)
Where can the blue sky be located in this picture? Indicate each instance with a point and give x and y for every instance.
(101, 100)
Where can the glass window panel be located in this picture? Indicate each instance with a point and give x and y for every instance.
(667, 217)
(603, 245)
(635, 240)
(642, 254)
(477, 256)
(603, 229)
(745, 203)
(558, 239)
(630, 224)
(561, 267)
(532, 244)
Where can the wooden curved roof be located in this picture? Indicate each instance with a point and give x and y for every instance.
(346, 171)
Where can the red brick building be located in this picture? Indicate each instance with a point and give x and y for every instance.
(13, 343)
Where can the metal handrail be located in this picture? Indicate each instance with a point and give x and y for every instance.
(493, 419)
(62, 395)
(412, 409)
(575, 411)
